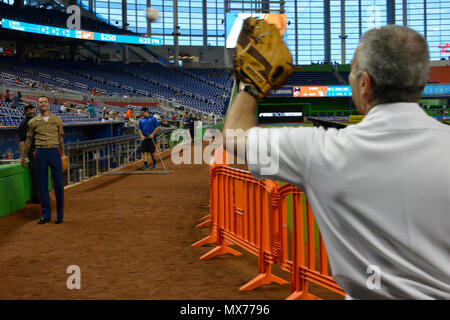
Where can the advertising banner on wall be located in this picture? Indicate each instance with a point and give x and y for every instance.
(332, 118)
(344, 91)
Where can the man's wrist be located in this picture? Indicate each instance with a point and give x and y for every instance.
(249, 89)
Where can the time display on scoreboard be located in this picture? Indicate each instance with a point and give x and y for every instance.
(78, 34)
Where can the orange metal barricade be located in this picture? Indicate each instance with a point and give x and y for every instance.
(253, 214)
(307, 264)
(243, 210)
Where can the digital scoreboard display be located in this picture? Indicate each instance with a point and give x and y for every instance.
(78, 34)
(272, 113)
(344, 91)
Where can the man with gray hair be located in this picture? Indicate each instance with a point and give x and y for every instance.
(378, 189)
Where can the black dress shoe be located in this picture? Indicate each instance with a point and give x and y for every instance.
(42, 221)
(58, 221)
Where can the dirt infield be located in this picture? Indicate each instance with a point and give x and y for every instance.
(131, 236)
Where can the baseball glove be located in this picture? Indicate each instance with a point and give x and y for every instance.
(65, 163)
(262, 58)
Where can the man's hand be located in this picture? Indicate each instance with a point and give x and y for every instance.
(23, 162)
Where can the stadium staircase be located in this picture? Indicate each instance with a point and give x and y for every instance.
(339, 77)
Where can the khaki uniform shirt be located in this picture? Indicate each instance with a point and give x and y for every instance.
(47, 134)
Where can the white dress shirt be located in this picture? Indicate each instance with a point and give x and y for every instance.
(380, 193)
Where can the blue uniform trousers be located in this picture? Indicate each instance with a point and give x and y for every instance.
(44, 158)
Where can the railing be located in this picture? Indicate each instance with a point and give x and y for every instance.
(98, 79)
(145, 93)
(65, 81)
(44, 75)
(127, 87)
(8, 76)
(112, 83)
(80, 85)
(92, 157)
(89, 158)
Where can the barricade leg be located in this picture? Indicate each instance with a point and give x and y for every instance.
(207, 217)
(302, 295)
(210, 239)
(262, 278)
(206, 240)
(222, 249)
(299, 287)
(203, 224)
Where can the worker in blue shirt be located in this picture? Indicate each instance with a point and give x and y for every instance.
(148, 126)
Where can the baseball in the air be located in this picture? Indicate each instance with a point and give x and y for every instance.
(152, 14)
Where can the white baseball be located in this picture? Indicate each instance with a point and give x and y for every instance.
(152, 14)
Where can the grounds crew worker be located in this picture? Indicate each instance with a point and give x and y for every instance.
(47, 130)
(379, 190)
(147, 128)
(29, 114)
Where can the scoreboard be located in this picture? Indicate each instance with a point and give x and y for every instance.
(78, 34)
(345, 91)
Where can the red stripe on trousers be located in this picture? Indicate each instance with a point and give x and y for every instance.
(35, 168)
(62, 177)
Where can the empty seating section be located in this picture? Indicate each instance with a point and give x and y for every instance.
(219, 77)
(179, 86)
(12, 117)
(92, 75)
(188, 89)
(204, 90)
(33, 71)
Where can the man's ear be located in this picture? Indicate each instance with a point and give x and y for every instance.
(366, 85)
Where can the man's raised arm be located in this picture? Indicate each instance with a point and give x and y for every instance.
(242, 115)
